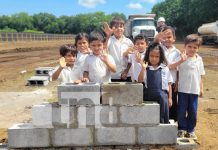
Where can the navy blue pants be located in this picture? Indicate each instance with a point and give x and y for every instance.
(187, 111)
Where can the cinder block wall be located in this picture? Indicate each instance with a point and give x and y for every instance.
(75, 124)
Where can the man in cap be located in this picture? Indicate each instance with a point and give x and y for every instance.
(160, 24)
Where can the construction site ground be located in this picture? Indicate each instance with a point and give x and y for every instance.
(17, 64)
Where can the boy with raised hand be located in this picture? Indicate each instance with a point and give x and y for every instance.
(98, 65)
(190, 86)
(117, 44)
(65, 72)
(167, 38)
(140, 45)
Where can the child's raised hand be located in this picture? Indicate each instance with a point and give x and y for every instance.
(138, 57)
(139, 60)
(106, 28)
(104, 57)
(62, 62)
(183, 56)
(161, 36)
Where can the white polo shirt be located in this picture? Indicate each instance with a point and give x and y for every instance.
(165, 75)
(80, 61)
(98, 70)
(68, 74)
(135, 67)
(190, 73)
(116, 48)
(171, 55)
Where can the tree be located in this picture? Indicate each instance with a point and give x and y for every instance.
(187, 15)
(41, 21)
(4, 21)
(21, 21)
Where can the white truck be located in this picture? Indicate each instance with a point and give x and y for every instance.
(141, 23)
(209, 32)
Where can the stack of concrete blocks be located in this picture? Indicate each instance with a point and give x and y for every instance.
(111, 115)
(41, 77)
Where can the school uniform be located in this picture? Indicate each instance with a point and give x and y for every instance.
(135, 67)
(116, 48)
(67, 75)
(190, 73)
(98, 70)
(171, 55)
(80, 61)
(156, 88)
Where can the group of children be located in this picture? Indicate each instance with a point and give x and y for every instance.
(165, 72)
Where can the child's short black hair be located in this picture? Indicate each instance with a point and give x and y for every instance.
(64, 49)
(170, 28)
(96, 35)
(116, 21)
(140, 37)
(193, 38)
(80, 36)
(155, 46)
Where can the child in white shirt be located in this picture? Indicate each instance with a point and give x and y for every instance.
(190, 86)
(117, 44)
(98, 65)
(140, 45)
(157, 79)
(66, 72)
(82, 46)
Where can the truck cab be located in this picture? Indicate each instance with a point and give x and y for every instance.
(144, 24)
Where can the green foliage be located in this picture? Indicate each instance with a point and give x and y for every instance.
(43, 21)
(21, 21)
(32, 31)
(8, 30)
(187, 15)
(49, 23)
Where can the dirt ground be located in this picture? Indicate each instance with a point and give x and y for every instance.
(16, 99)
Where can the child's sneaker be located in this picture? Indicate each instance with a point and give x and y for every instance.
(191, 135)
(181, 133)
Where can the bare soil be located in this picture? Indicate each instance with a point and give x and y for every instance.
(16, 99)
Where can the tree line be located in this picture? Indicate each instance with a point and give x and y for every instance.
(49, 23)
(187, 15)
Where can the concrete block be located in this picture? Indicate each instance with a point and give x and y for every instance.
(94, 148)
(97, 115)
(79, 94)
(186, 144)
(43, 115)
(43, 71)
(38, 80)
(47, 115)
(161, 134)
(121, 93)
(59, 148)
(144, 114)
(115, 136)
(133, 147)
(25, 136)
(72, 137)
